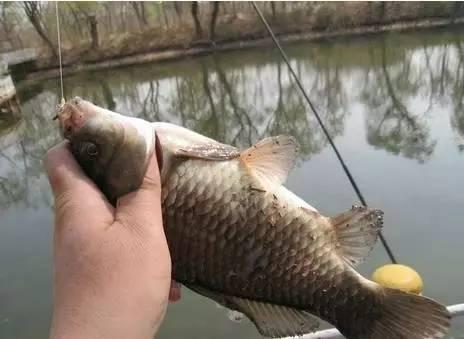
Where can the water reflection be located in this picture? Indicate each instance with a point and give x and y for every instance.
(457, 119)
(22, 150)
(391, 124)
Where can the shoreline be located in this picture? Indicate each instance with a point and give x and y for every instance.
(176, 54)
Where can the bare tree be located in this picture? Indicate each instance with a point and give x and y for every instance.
(75, 15)
(89, 11)
(178, 10)
(9, 22)
(273, 9)
(165, 15)
(212, 24)
(194, 9)
(32, 11)
(108, 16)
(122, 15)
(92, 20)
(139, 9)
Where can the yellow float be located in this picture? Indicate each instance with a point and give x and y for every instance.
(397, 276)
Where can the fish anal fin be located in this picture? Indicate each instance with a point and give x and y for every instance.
(357, 230)
(214, 151)
(273, 321)
(271, 159)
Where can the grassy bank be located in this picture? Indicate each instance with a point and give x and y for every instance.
(236, 25)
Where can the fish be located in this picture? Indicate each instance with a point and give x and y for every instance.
(239, 237)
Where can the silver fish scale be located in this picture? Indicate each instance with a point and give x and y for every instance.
(228, 235)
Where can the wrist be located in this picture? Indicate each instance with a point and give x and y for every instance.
(111, 312)
(117, 306)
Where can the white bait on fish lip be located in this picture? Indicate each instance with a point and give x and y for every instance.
(239, 237)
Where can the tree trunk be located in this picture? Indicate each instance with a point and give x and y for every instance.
(212, 25)
(92, 20)
(198, 30)
(163, 9)
(121, 15)
(273, 8)
(383, 10)
(140, 13)
(178, 11)
(137, 13)
(110, 21)
(38, 27)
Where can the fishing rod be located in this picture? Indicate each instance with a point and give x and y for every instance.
(319, 120)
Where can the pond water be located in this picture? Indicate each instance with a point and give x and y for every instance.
(393, 103)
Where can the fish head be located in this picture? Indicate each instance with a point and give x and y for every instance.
(112, 149)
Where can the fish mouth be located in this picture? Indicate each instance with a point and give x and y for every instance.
(72, 115)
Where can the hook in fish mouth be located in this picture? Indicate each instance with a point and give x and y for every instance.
(59, 109)
(73, 114)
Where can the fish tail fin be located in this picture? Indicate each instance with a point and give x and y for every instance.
(357, 230)
(406, 315)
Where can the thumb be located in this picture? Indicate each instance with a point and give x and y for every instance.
(142, 208)
(72, 189)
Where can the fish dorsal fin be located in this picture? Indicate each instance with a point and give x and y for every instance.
(357, 230)
(209, 151)
(181, 142)
(271, 159)
(275, 321)
(271, 320)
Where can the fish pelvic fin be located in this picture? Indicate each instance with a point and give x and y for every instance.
(406, 316)
(357, 230)
(271, 159)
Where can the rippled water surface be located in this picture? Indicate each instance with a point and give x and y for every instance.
(394, 105)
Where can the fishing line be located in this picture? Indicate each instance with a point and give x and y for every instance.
(59, 52)
(319, 120)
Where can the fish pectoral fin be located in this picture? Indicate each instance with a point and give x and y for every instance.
(214, 151)
(357, 230)
(271, 159)
(275, 321)
(271, 320)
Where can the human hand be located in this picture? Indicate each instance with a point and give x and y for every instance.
(112, 269)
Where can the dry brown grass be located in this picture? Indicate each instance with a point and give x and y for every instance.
(244, 25)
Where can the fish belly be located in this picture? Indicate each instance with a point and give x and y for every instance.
(231, 236)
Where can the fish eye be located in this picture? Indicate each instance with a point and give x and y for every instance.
(90, 149)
